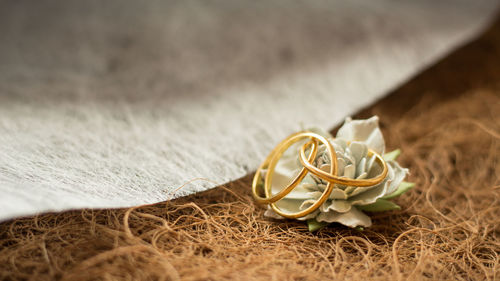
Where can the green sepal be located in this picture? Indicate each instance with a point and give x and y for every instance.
(380, 205)
(315, 225)
(402, 188)
(390, 156)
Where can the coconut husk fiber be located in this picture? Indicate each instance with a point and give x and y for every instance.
(446, 121)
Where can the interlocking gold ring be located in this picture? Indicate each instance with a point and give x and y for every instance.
(276, 155)
(300, 176)
(330, 177)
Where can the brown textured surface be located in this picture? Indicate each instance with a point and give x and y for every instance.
(445, 121)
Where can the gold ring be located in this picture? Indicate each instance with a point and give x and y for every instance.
(277, 155)
(333, 178)
(292, 185)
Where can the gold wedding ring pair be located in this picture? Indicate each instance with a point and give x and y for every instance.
(307, 167)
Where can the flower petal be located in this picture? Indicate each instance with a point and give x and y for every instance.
(372, 173)
(395, 176)
(371, 195)
(352, 218)
(308, 183)
(338, 193)
(286, 169)
(284, 172)
(340, 166)
(314, 225)
(402, 188)
(348, 190)
(366, 131)
(289, 206)
(398, 175)
(306, 203)
(339, 145)
(349, 171)
(381, 205)
(360, 189)
(358, 150)
(362, 176)
(370, 162)
(340, 206)
(361, 168)
(391, 156)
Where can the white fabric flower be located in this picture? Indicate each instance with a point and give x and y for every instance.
(345, 203)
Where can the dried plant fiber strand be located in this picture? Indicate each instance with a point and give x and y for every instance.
(118, 103)
(445, 121)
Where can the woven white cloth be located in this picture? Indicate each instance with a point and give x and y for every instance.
(119, 103)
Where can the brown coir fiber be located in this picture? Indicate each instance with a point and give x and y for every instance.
(447, 123)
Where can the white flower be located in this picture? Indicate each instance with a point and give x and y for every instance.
(345, 203)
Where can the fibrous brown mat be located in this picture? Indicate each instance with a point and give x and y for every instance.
(446, 121)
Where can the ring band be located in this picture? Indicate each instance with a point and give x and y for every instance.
(329, 177)
(267, 163)
(277, 155)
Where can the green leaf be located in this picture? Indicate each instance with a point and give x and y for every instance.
(315, 225)
(379, 206)
(402, 188)
(389, 156)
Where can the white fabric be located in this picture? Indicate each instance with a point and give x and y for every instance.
(119, 103)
